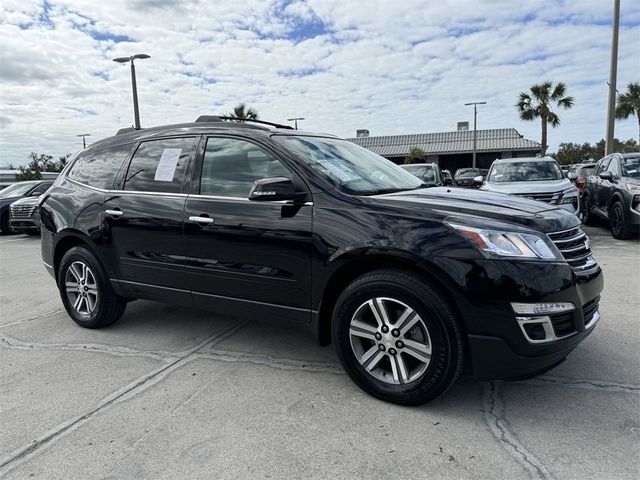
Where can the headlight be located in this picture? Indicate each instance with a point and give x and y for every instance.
(510, 244)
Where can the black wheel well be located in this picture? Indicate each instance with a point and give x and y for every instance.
(62, 247)
(615, 198)
(360, 266)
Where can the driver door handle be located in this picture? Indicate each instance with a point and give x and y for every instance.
(201, 220)
(114, 213)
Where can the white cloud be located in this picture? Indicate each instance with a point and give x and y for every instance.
(391, 67)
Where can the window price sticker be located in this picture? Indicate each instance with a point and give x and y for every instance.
(167, 165)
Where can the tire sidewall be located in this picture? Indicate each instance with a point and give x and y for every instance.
(84, 255)
(443, 367)
(617, 211)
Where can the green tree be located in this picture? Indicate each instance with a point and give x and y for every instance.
(416, 155)
(569, 153)
(537, 102)
(39, 163)
(242, 112)
(629, 103)
(628, 146)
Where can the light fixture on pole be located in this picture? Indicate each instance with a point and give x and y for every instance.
(475, 134)
(134, 88)
(84, 142)
(613, 74)
(295, 120)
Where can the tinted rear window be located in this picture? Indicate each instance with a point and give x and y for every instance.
(98, 169)
(160, 165)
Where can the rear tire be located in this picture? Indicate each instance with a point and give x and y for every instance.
(397, 337)
(85, 290)
(587, 216)
(618, 223)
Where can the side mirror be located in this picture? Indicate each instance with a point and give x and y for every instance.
(275, 188)
(606, 175)
(477, 181)
(447, 181)
(572, 176)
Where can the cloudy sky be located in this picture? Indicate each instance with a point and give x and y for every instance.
(390, 66)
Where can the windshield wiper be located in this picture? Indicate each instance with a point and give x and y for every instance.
(381, 191)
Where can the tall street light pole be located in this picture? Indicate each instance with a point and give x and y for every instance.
(295, 120)
(84, 142)
(613, 74)
(475, 132)
(134, 87)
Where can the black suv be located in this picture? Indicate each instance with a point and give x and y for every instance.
(411, 284)
(612, 192)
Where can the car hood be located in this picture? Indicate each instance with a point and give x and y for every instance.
(632, 181)
(442, 202)
(26, 201)
(545, 186)
(8, 201)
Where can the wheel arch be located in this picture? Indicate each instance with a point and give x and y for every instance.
(356, 267)
(616, 197)
(68, 240)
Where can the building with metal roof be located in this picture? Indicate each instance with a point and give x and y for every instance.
(452, 150)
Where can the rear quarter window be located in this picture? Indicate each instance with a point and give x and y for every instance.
(98, 169)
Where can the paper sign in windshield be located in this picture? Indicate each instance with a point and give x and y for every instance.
(167, 165)
(344, 174)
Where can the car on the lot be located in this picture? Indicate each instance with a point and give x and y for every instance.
(464, 176)
(446, 175)
(578, 175)
(538, 178)
(8, 195)
(429, 173)
(612, 192)
(411, 284)
(24, 216)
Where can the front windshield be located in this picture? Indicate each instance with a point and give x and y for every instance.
(16, 190)
(467, 173)
(630, 167)
(426, 173)
(353, 168)
(525, 172)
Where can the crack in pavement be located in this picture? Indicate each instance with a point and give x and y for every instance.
(597, 385)
(269, 361)
(130, 390)
(494, 415)
(120, 351)
(31, 319)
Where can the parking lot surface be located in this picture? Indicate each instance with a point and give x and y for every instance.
(171, 392)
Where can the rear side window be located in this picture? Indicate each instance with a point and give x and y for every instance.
(160, 165)
(98, 169)
(231, 166)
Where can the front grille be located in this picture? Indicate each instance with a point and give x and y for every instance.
(551, 197)
(563, 324)
(589, 309)
(22, 211)
(574, 246)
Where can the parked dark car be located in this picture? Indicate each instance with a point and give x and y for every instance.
(25, 216)
(612, 193)
(429, 173)
(411, 284)
(464, 176)
(446, 175)
(8, 195)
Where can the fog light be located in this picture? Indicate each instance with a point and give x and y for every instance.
(542, 308)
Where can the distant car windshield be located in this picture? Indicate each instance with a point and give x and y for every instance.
(467, 173)
(16, 190)
(353, 168)
(630, 167)
(426, 173)
(525, 172)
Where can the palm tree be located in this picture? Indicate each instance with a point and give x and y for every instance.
(537, 104)
(629, 103)
(242, 112)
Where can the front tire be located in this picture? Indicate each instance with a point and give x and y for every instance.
(397, 337)
(85, 290)
(617, 222)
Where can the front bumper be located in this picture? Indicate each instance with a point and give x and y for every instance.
(497, 345)
(24, 224)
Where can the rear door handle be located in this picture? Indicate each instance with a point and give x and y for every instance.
(114, 213)
(201, 220)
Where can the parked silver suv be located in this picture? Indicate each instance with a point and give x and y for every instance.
(532, 177)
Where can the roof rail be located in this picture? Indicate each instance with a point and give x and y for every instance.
(215, 118)
(126, 130)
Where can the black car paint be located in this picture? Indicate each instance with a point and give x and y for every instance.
(287, 262)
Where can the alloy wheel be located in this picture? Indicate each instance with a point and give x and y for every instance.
(616, 221)
(81, 288)
(390, 340)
